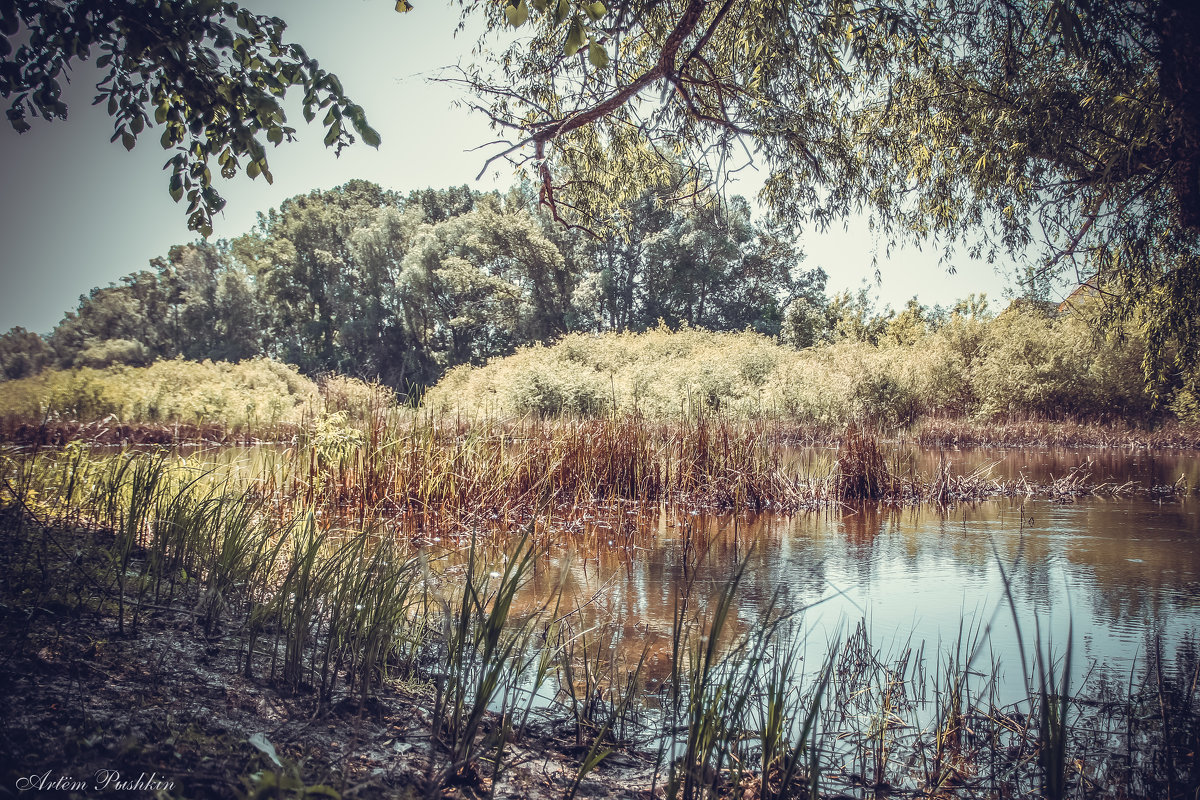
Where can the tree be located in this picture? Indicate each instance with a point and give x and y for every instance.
(477, 285)
(373, 337)
(909, 326)
(127, 323)
(23, 353)
(212, 309)
(607, 101)
(308, 274)
(197, 302)
(211, 73)
(1065, 133)
(439, 205)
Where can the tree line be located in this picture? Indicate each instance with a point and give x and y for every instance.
(398, 288)
(1065, 134)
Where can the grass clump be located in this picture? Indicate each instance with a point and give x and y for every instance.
(256, 397)
(862, 471)
(1022, 363)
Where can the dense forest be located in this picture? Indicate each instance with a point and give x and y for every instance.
(366, 282)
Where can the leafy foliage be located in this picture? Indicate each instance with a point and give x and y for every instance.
(1063, 134)
(1020, 364)
(197, 303)
(23, 353)
(366, 282)
(211, 73)
(252, 394)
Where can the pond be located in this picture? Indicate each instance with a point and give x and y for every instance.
(1104, 573)
(883, 596)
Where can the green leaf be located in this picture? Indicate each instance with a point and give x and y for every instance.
(597, 55)
(252, 169)
(574, 38)
(541, 5)
(403, 6)
(561, 10)
(211, 199)
(595, 10)
(335, 130)
(275, 135)
(370, 136)
(176, 188)
(160, 114)
(517, 14)
(128, 140)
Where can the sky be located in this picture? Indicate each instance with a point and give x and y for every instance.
(79, 211)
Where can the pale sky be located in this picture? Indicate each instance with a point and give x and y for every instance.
(80, 212)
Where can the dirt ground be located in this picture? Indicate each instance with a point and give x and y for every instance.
(170, 709)
(167, 712)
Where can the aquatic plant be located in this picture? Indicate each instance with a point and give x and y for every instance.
(862, 471)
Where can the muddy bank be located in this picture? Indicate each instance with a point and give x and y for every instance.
(88, 710)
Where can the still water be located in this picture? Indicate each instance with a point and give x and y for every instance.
(1104, 574)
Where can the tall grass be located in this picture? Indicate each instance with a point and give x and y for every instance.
(1021, 364)
(335, 607)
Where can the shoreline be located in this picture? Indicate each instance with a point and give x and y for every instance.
(173, 701)
(948, 434)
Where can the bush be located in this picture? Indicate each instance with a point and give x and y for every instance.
(1023, 363)
(114, 352)
(1034, 364)
(658, 373)
(251, 394)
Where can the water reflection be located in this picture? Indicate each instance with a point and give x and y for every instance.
(1113, 569)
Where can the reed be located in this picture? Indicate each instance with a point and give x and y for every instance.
(482, 664)
(862, 471)
(339, 607)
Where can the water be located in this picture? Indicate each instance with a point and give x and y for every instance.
(1104, 574)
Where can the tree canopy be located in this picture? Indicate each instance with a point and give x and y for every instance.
(371, 283)
(212, 74)
(1062, 132)
(1065, 133)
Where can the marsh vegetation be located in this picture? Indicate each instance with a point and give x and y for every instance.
(434, 588)
(528, 515)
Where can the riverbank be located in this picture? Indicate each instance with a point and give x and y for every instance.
(170, 707)
(377, 424)
(144, 681)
